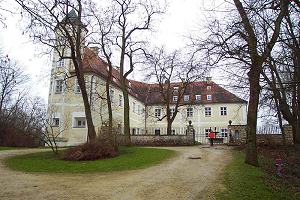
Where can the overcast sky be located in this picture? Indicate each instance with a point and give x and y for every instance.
(182, 18)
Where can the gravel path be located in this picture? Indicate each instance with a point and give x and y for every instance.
(177, 178)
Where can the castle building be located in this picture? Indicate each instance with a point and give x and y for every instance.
(205, 103)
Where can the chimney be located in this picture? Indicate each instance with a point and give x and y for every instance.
(208, 79)
(95, 50)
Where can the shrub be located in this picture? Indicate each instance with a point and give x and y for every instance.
(90, 151)
(15, 138)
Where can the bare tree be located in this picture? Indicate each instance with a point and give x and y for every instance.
(61, 26)
(174, 73)
(242, 40)
(12, 79)
(121, 30)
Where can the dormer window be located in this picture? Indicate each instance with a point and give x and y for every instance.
(186, 97)
(208, 87)
(175, 98)
(176, 88)
(209, 97)
(198, 97)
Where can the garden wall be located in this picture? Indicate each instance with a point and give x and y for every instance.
(239, 135)
(158, 140)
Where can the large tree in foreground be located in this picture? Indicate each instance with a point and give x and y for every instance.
(61, 26)
(241, 40)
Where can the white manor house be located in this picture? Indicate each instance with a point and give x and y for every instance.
(204, 103)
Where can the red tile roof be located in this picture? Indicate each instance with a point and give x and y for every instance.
(150, 93)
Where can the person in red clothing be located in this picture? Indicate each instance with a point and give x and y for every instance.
(211, 136)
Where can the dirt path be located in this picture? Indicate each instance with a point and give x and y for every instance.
(178, 178)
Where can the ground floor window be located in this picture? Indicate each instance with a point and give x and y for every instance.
(79, 122)
(157, 131)
(173, 132)
(207, 130)
(223, 132)
(55, 121)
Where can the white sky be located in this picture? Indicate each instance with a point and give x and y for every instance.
(182, 18)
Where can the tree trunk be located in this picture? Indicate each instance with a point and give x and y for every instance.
(126, 114)
(251, 151)
(108, 100)
(169, 127)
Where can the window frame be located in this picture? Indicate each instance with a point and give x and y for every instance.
(82, 121)
(223, 111)
(59, 86)
(198, 95)
(209, 97)
(54, 121)
(60, 63)
(120, 100)
(207, 111)
(173, 132)
(186, 98)
(77, 89)
(172, 111)
(111, 95)
(224, 132)
(190, 112)
(206, 132)
(157, 114)
(133, 107)
(175, 98)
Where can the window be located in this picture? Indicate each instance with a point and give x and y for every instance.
(61, 63)
(138, 109)
(51, 85)
(223, 111)
(172, 111)
(223, 132)
(176, 88)
(157, 112)
(207, 111)
(186, 97)
(120, 100)
(208, 87)
(175, 98)
(189, 112)
(198, 97)
(77, 87)
(59, 86)
(133, 106)
(79, 122)
(173, 132)
(133, 131)
(207, 130)
(209, 97)
(112, 95)
(157, 131)
(55, 121)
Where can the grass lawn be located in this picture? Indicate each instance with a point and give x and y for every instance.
(130, 158)
(10, 148)
(246, 182)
